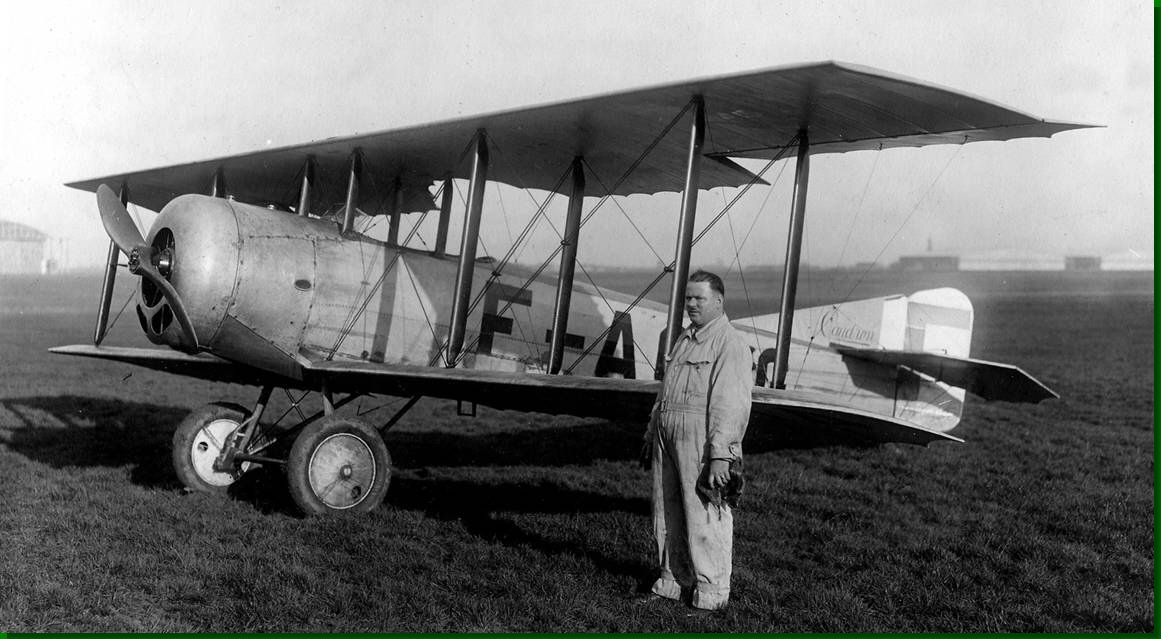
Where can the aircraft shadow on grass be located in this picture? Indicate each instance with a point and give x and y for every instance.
(74, 430)
(70, 430)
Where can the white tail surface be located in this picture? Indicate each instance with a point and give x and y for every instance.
(932, 321)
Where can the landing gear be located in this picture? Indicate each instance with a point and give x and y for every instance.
(335, 463)
(199, 441)
(338, 464)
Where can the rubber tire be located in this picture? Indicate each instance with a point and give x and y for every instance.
(184, 442)
(326, 432)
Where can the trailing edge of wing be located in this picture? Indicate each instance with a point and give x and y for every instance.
(754, 114)
(992, 381)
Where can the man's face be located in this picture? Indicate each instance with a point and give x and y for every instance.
(702, 303)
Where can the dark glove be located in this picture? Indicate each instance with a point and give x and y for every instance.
(646, 456)
(730, 494)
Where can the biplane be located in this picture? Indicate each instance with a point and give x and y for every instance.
(254, 271)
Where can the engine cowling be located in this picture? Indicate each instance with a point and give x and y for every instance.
(244, 273)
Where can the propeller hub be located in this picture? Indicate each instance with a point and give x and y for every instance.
(164, 262)
(135, 260)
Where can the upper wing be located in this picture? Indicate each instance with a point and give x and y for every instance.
(753, 114)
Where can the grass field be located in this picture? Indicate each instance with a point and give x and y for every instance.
(1042, 521)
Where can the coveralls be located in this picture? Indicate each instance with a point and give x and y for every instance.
(700, 414)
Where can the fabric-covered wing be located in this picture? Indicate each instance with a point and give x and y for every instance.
(843, 108)
(620, 399)
(608, 398)
(201, 366)
(623, 399)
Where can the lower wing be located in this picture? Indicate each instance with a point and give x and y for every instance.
(780, 411)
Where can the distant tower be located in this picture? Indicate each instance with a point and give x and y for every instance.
(928, 243)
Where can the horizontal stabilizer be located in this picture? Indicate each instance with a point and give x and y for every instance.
(991, 381)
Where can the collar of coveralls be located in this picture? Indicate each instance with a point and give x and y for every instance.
(715, 326)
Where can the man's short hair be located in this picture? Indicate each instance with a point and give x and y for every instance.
(714, 281)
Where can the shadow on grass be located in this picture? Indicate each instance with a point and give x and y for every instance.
(70, 430)
(483, 510)
(446, 498)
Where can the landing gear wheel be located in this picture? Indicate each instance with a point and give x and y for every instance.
(338, 464)
(199, 440)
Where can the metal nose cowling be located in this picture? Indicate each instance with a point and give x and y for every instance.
(150, 262)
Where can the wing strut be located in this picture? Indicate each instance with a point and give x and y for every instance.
(793, 254)
(352, 201)
(445, 205)
(567, 266)
(218, 185)
(685, 229)
(304, 191)
(396, 214)
(468, 242)
(110, 277)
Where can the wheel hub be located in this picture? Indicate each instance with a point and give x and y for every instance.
(207, 446)
(341, 471)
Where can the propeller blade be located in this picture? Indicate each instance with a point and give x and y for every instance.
(118, 224)
(145, 268)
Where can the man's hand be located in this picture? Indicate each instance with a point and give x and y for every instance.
(719, 473)
(646, 456)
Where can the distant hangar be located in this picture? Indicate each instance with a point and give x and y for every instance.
(1022, 260)
(23, 249)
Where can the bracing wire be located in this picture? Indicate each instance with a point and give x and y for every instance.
(670, 266)
(118, 315)
(741, 270)
(930, 187)
(641, 235)
(859, 207)
(624, 176)
(349, 325)
(601, 293)
(754, 222)
(351, 320)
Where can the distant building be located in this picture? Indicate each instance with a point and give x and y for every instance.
(1011, 260)
(928, 263)
(1082, 263)
(23, 249)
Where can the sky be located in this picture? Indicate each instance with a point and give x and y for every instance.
(98, 88)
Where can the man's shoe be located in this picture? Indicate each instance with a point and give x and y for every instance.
(646, 598)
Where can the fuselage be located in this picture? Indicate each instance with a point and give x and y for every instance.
(272, 289)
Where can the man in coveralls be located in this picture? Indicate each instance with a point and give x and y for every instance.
(695, 434)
